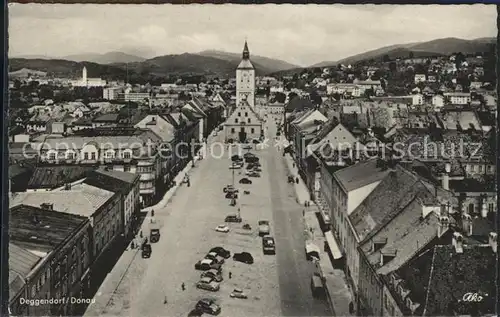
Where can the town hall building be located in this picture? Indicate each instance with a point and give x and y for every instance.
(244, 124)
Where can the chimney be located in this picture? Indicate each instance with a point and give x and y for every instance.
(493, 241)
(467, 224)
(47, 206)
(387, 255)
(458, 241)
(484, 208)
(444, 225)
(445, 182)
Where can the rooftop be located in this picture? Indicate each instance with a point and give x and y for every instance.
(21, 262)
(82, 199)
(112, 181)
(361, 174)
(37, 229)
(57, 175)
(440, 277)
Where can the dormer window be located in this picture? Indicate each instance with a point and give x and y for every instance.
(109, 154)
(127, 154)
(236, 120)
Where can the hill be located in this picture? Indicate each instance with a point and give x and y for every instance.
(107, 58)
(158, 67)
(270, 65)
(65, 68)
(446, 46)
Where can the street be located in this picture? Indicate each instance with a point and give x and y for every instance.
(276, 284)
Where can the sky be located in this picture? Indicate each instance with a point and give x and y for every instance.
(299, 34)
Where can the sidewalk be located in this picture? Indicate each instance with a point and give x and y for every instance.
(339, 295)
(300, 189)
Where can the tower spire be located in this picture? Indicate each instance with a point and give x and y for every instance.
(246, 51)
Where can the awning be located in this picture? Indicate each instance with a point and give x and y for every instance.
(330, 239)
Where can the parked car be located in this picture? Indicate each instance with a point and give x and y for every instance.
(154, 234)
(146, 251)
(222, 228)
(264, 228)
(238, 293)
(207, 283)
(245, 181)
(243, 257)
(208, 305)
(235, 166)
(268, 245)
(228, 188)
(213, 274)
(222, 252)
(236, 158)
(253, 174)
(215, 257)
(256, 169)
(248, 154)
(247, 147)
(203, 265)
(233, 218)
(195, 313)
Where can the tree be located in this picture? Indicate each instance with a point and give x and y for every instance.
(386, 58)
(411, 54)
(291, 96)
(315, 98)
(280, 97)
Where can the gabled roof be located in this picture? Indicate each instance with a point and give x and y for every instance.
(361, 174)
(21, 262)
(440, 277)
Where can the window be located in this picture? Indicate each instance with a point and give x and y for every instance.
(126, 168)
(236, 120)
(126, 154)
(246, 114)
(92, 155)
(249, 120)
(232, 130)
(110, 154)
(71, 155)
(480, 168)
(73, 274)
(491, 207)
(471, 209)
(86, 156)
(73, 255)
(252, 130)
(52, 156)
(239, 114)
(33, 291)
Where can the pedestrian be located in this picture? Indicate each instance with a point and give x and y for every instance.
(140, 234)
(152, 213)
(132, 245)
(183, 286)
(165, 300)
(230, 275)
(303, 212)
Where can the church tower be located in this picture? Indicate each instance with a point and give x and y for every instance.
(245, 79)
(84, 75)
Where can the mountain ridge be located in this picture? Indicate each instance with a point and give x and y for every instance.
(443, 46)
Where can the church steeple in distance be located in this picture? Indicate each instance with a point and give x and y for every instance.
(246, 51)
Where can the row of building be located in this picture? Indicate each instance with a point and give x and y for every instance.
(63, 242)
(415, 234)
